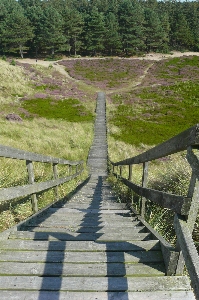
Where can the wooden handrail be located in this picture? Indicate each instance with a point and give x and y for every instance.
(33, 188)
(185, 208)
(180, 142)
(14, 153)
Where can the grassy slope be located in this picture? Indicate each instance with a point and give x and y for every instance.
(58, 131)
(163, 105)
(139, 115)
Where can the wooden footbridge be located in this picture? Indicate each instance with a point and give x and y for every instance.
(92, 247)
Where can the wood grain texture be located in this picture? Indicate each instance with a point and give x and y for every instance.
(61, 295)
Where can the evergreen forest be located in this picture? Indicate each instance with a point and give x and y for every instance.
(97, 27)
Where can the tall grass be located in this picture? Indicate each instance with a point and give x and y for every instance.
(13, 84)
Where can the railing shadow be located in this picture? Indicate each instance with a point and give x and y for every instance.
(53, 274)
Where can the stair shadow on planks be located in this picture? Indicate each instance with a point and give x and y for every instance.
(88, 259)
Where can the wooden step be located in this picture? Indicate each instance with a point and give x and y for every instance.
(23, 245)
(81, 257)
(72, 236)
(86, 223)
(77, 269)
(135, 284)
(84, 229)
(64, 295)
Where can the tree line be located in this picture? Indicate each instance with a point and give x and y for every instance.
(105, 27)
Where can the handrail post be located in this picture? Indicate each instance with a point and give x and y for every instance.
(69, 170)
(120, 170)
(130, 172)
(193, 188)
(193, 193)
(55, 174)
(31, 180)
(144, 184)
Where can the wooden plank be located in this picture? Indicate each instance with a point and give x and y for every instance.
(178, 143)
(14, 153)
(170, 255)
(137, 284)
(61, 295)
(178, 204)
(189, 251)
(86, 224)
(67, 211)
(23, 245)
(87, 269)
(102, 210)
(24, 190)
(81, 257)
(77, 236)
(84, 229)
(96, 225)
(104, 205)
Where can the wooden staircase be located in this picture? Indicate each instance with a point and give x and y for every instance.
(90, 247)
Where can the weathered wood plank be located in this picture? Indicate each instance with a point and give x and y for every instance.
(170, 255)
(86, 223)
(96, 207)
(87, 211)
(61, 216)
(178, 204)
(80, 245)
(178, 143)
(78, 237)
(14, 153)
(81, 257)
(189, 251)
(84, 229)
(86, 269)
(137, 284)
(24, 190)
(101, 210)
(61, 295)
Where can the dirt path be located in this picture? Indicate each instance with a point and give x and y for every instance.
(134, 84)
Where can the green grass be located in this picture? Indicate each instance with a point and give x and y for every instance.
(69, 109)
(158, 113)
(100, 75)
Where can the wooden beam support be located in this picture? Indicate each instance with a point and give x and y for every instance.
(178, 143)
(55, 174)
(31, 180)
(189, 251)
(178, 204)
(24, 190)
(144, 184)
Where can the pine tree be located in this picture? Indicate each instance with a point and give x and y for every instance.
(113, 42)
(131, 20)
(154, 34)
(73, 27)
(181, 35)
(16, 29)
(94, 31)
(51, 34)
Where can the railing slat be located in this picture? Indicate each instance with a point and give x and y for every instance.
(31, 178)
(29, 189)
(178, 143)
(178, 204)
(189, 251)
(14, 153)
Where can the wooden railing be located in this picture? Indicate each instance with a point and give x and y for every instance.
(185, 208)
(33, 188)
